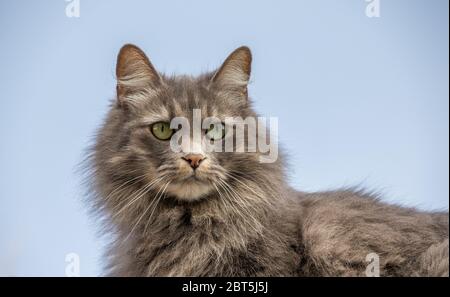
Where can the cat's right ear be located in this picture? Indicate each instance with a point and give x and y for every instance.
(134, 73)
(234, 74)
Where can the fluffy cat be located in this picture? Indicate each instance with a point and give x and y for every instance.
(228, 214)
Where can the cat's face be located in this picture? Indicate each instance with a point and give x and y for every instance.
(140, 132)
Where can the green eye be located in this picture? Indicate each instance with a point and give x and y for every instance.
(216, 131)
(161, 130)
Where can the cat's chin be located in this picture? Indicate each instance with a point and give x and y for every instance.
(189, 190)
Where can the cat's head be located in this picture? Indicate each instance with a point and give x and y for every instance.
(134, 145)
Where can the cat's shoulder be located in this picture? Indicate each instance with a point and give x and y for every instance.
(338, 229)
(354, 199)
(354, 202)
(353, 206)
(353, 215)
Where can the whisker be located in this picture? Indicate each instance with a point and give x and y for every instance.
(144, 213)
(229, 205)
(246, 186)
(135, 179)
(139, 194)
(156, 205)
(244, 206)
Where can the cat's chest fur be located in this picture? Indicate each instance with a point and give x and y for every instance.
(184, 241)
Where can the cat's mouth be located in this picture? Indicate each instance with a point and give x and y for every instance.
(191, 187)
(196, 175)
(190, 183)
(193, 177)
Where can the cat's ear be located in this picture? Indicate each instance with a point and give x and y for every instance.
(234, 74)
(134, 72)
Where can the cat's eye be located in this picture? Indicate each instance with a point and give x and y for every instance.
(161, 130)
(216, 132)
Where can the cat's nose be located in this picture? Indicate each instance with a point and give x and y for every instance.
(194, 159)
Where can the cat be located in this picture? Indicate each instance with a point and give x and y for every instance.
(226, 213)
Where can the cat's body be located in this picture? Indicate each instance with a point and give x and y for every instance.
(323, 234)
(231, 215)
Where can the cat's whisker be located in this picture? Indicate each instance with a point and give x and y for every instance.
(165, 167)
(166, 172)
(249, 208)
(239, 196)
(252, 204)
(141, 193)
(240, 175)
(224, 199)
(137, 222)
(116, 190)
(163, 193)
(136, 193)
(146, 210)
(229, 206)
(255, 210)
(244, 206)
(260, 195)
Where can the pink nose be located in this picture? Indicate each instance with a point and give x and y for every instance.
(194, 159)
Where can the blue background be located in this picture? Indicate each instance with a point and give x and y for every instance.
(360, 100)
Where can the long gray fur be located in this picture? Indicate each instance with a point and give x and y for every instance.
(252, 223)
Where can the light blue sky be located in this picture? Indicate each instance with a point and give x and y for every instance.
(360, 100)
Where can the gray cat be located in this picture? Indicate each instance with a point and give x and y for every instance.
(228, 214)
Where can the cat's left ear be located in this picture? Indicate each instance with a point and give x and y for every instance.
(134, 73)
(234, 74)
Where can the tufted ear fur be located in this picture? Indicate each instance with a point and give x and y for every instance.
(134, 73)
(234, 74)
